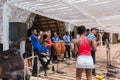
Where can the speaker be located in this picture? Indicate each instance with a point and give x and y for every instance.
(1, 47)
(17, 31)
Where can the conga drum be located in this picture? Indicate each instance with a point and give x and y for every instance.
(62, 47)
(57, 47)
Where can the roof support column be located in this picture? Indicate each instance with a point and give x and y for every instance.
(101, 40)
(111, 37)
(22, 47)
(119, 36)
(101, 35)
(5, 17)
(68, 26)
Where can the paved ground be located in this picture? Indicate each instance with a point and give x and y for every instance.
(101, 59)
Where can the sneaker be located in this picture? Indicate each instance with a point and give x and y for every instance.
(94, 74)
(34, 75)
(53, 68)
(64, 59)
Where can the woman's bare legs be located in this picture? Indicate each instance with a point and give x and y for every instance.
(79, 73)
(88, 74)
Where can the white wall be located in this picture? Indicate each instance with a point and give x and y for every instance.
(18, 15)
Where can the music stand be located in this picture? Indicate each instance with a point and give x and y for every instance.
(58, 71)
(108, 54)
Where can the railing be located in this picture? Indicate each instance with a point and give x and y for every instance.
(28, 67)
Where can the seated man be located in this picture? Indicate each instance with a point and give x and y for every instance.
(44, 55)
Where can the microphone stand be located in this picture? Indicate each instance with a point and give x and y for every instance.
(108, 55)
(58, 71)
(110, 67)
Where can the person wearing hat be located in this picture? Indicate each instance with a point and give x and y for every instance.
(92, 36)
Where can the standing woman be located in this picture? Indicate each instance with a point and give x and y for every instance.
(49, 43)
(84, 58)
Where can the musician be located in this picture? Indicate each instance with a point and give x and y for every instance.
(44, 54)
(66, 38)
(40, 34)
(49, 42)
(35, 39)
(39, 50)
(92, 36)
(54, 38)
(84, 58)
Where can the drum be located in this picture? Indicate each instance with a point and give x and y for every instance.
(57, 47)
(62, 47)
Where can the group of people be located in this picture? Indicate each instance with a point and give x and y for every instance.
(84, 47)
(43, 46)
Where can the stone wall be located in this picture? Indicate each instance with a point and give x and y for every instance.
(19, 15)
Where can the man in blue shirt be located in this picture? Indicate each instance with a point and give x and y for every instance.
(40, 50)
(92, 36)
(66, 38)
(55, 37)
(35, 40)
(87, 32)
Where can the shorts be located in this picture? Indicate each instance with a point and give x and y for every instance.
(84, 61)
